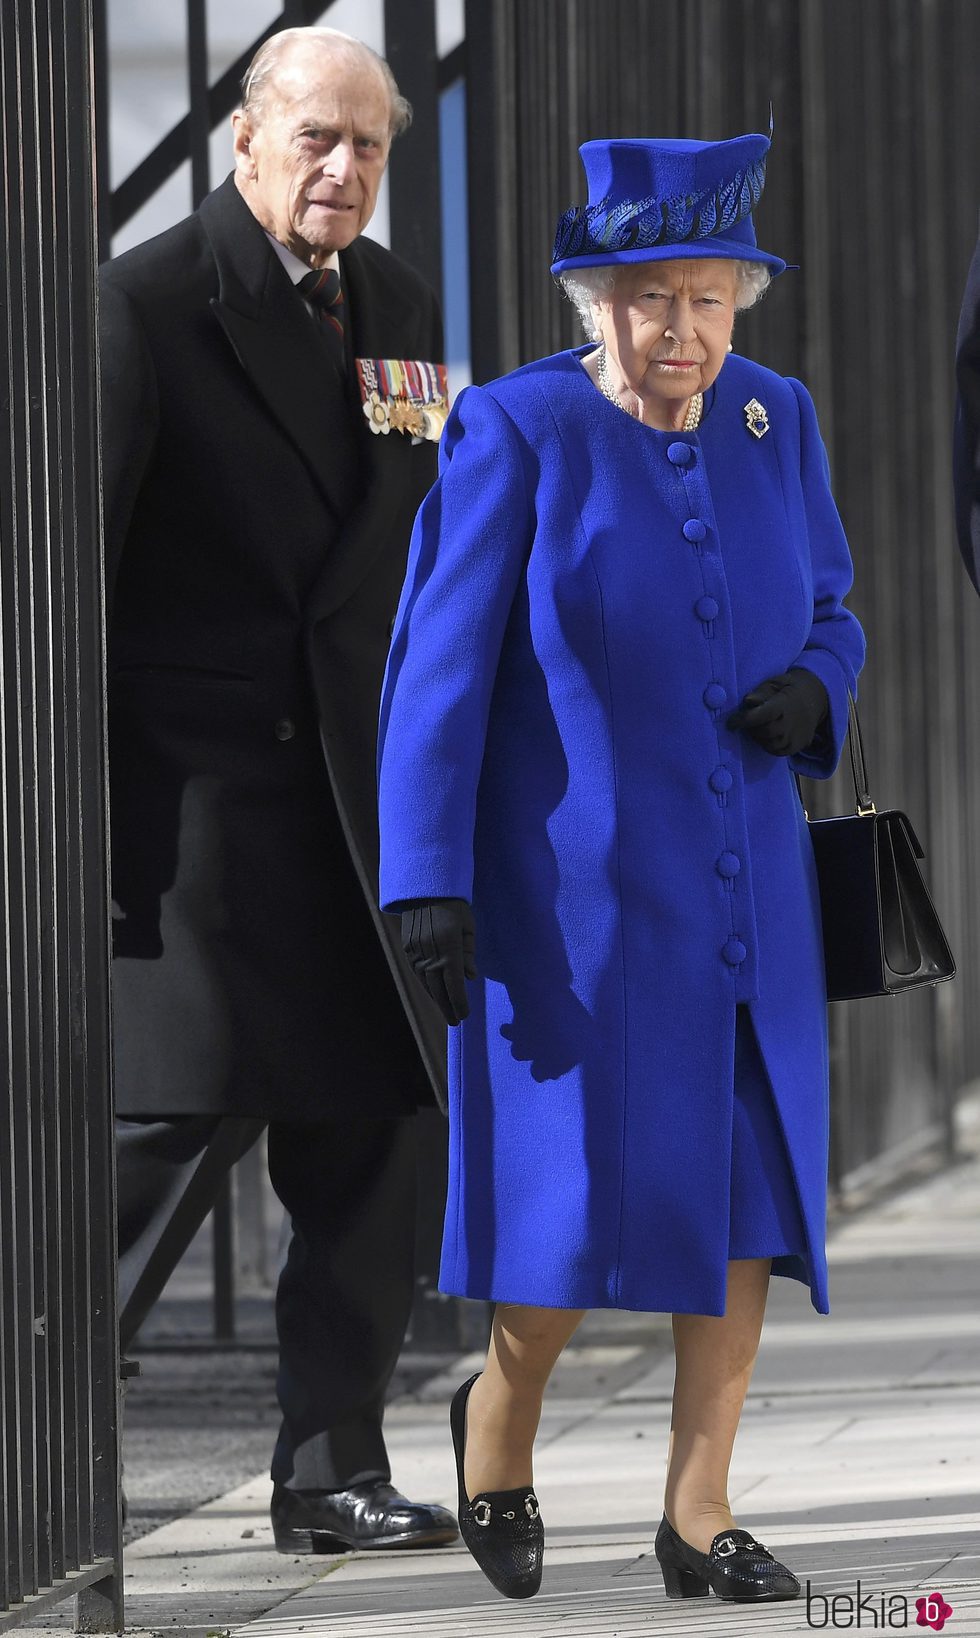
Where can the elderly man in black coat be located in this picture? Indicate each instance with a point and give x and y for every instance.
(966, 430)
(258, 507)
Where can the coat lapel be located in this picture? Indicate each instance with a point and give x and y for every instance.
(383, 324)
(277, 345)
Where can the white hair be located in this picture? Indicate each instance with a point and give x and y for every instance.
(752, 280)
(261, 70)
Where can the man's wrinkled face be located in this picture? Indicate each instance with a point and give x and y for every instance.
(310, 159)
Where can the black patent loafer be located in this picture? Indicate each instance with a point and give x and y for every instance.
(501, 1528)
(736, 1567)
(367, 1517)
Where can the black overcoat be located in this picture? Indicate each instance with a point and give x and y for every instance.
(256, 536)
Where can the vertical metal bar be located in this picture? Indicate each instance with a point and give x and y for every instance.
(223, 1260)
(416, 234)
(21, 1577)
(100, 1607)
(416, 221)
(961, 43)
(434, 1322)
(103, 189)
(816, 206)
(68, 1322)
(19, 780)
(197, 88)
(491, 187)
(251, 1225)
(940, 567)
(49, 758)
(814, 342)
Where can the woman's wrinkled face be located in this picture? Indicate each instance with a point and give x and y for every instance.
(310, 160)
(667, 325)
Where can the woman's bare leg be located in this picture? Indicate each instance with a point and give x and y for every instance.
(504, 1406)
(713, 1364)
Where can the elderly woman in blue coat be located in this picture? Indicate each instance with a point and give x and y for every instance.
(621, 636)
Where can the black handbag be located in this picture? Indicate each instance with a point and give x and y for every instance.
(881, 933)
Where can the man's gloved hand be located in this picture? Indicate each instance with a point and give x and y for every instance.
(439, 939)
(784, 713)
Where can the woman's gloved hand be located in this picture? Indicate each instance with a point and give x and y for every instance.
(784, 713)
(439, 939)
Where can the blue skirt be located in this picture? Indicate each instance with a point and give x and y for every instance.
(765, 1218)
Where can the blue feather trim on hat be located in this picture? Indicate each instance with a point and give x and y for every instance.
(585, 230)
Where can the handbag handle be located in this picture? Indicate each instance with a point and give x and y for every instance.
(859, 768)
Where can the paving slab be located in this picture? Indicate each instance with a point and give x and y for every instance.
(591, 1593)
(858, 1460)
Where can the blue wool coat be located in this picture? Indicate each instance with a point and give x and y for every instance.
(587, 599)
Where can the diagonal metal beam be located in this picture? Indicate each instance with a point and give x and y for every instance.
(173, 149)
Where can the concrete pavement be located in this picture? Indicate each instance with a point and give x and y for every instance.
(858, 1459)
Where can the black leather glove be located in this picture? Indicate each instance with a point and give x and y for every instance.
(439, 938)
(784, 713)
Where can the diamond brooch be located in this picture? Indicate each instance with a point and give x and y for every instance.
(756, 418)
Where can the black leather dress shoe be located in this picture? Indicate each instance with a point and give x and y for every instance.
(368, 1517)
(501, 1528)
(736, 1567)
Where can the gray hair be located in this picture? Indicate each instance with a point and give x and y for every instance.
(269, 56)
(752, 280)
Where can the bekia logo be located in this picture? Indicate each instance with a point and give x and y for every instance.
(933, 1611)
(875, 1611)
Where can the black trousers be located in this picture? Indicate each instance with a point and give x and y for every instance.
(345, 1290)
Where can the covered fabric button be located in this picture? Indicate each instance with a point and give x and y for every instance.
(715, 696)
(734, 952)
(728, 865)
(680, 454)
(285, 729)
(694, 529)
(706, 608)
(720, 781)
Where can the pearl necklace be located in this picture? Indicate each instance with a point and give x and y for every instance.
(692, 419)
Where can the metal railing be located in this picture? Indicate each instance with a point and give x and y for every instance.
(60, 1528)
(188, 139)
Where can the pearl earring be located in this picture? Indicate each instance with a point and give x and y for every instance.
(729, 346)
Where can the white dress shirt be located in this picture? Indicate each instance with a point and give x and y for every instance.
(295, 268)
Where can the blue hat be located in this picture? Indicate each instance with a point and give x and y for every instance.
(653, 200)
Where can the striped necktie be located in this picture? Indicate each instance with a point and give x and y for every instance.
(322, 289)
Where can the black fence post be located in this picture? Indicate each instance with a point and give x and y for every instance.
(197, 99)
(492, 187)
(416, 234)
(60, 1525)
(416, 206)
